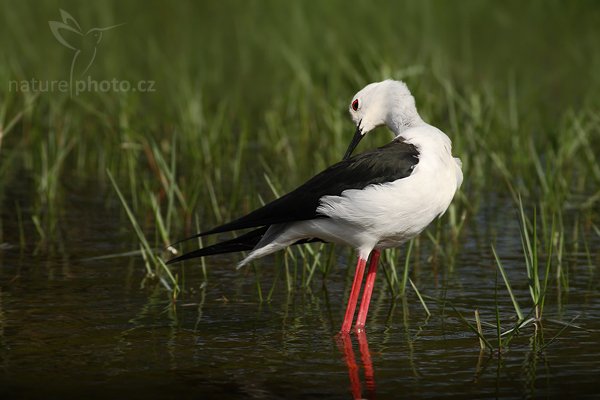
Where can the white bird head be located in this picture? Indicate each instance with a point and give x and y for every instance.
(382, 103)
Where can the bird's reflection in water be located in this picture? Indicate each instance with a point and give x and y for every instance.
(347, 349)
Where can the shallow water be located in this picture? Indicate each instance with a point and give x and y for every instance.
(73, 326)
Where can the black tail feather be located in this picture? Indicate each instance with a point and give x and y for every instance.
(245, 242)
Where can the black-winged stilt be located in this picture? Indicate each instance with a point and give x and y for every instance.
(372, 201)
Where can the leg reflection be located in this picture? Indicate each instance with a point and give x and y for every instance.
(365, 355)
(346, 348)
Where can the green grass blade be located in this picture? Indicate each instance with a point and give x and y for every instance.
(138, 231)
(420, 297)
(507, 284)
(479, 330)
(405, 278)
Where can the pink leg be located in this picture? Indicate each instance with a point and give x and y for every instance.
(351, 307)
(366, 298)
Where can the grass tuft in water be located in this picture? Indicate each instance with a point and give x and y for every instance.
(155, 266)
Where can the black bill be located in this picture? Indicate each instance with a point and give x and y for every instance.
(355, 140)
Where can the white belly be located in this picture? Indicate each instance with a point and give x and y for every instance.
(395, 212)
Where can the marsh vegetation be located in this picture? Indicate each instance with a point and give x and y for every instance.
(248, 101)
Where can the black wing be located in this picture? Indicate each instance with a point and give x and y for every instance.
(394, 161)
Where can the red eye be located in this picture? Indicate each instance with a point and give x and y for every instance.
(355, 105)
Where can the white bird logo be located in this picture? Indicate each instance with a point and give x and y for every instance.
(69, 34)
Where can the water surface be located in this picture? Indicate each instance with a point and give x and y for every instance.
(74, 326)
